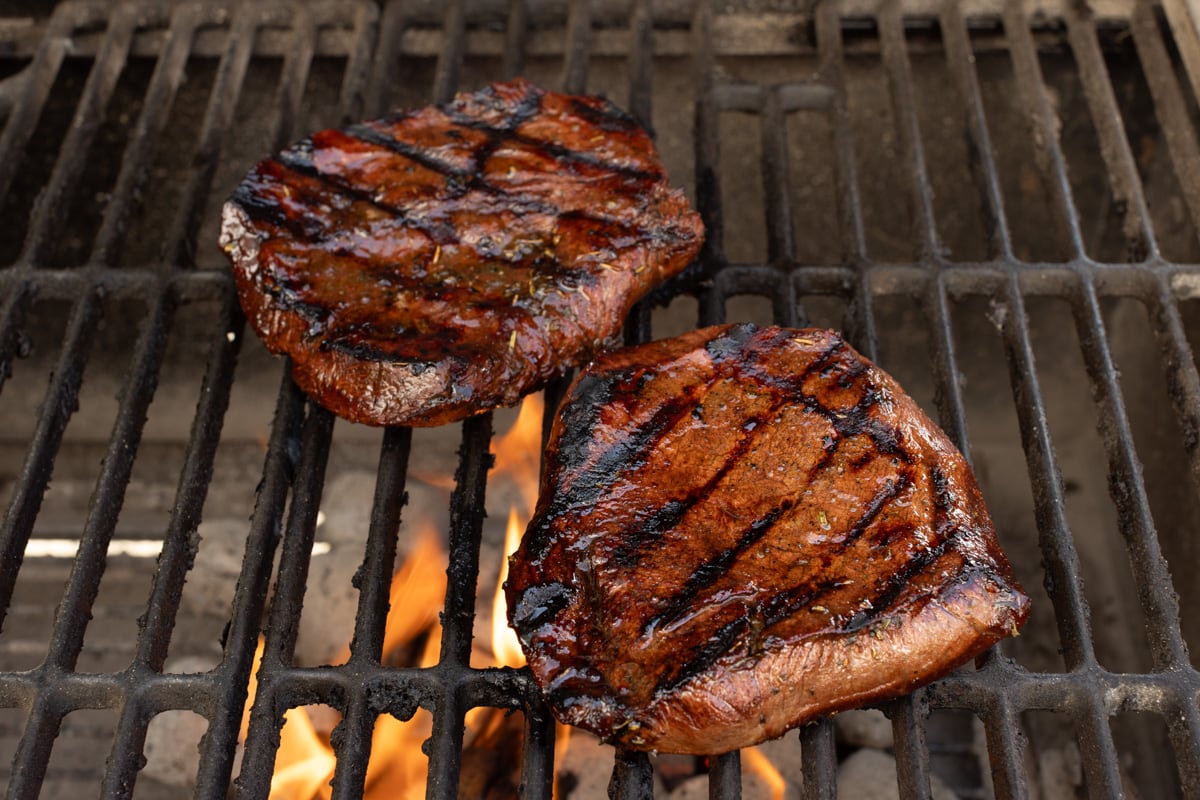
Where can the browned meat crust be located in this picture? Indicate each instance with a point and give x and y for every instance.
(427, 266)
(741, 529)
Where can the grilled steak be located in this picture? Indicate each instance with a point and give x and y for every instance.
(741, 529)
(435, 263)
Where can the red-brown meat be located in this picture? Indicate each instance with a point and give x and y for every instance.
(741, 529)
(435, 263)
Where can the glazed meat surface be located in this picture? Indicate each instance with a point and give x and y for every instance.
(435, 263)
(742, 529)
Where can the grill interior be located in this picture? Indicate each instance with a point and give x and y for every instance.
(1000, 204)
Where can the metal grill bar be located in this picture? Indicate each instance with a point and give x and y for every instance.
(1169, 106)
(466, 527)
(143, 144)
(1128, 489)
(37, 84)
(84, 582)
(180, 241)
(818, 751)
(274, 693)
(961, 62)
(60, 400)
(449, 64)
(1058, 549)
(725, 777)
(366, 648)
(179, 544)
(912, 753)
(514, 39)
(575, 62)
(633, 777)
(1124, 180)
(50, 207)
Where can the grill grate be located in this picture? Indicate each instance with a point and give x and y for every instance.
(924, 299)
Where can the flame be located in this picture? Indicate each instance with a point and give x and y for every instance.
(519, 451)
(754, 761)
(303, 764)
(505, 647)
(397, 768)
(518, 456)
(418, 591)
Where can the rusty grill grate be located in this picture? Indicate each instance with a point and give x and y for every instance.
(998, 204)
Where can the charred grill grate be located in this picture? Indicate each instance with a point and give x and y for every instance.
(894, 266)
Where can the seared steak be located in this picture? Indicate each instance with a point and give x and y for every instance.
(741, 529)
(435, 263)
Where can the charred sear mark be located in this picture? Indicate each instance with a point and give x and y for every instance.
(365, 133)
(516, 114)
(822, 361)
(440, 232)
(316, 316)
(716, 646)
(648, 530)
(458, 183)
(261, 208)
(728, 637)
(538, 605)
(899, 580)
(614, 121)
(731, 343)
(588, 483)
(607, 118)
(889, 491)
(708, 573)
(633, 542)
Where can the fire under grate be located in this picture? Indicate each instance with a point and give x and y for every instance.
(1000, 205)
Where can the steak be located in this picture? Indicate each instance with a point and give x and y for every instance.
(436, 263)
(744, 528)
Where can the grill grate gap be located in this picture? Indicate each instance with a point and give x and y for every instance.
(1147, 758)
(1160, 447)
(996, 456)
(1036, 234)
(37, 161)
(1117, 621)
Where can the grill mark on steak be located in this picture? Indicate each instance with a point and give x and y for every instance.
(502, 236)
(777, 607)
(646, 531)
(673, 511)
(891, 490)
(708, 571)
(442, 233)
(365, 133)
(439, 232)
(594, 480)
(608, 117)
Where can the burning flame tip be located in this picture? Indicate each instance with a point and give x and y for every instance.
(397, 767)
(505, 647)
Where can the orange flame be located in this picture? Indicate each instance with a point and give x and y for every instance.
(759, 764)
(518, 457)
(505, 647)
(304, 762)
(519, 451)
(418, 590)
(397, 767)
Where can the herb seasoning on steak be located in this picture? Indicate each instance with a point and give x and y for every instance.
(744, 528)
(436, 263)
